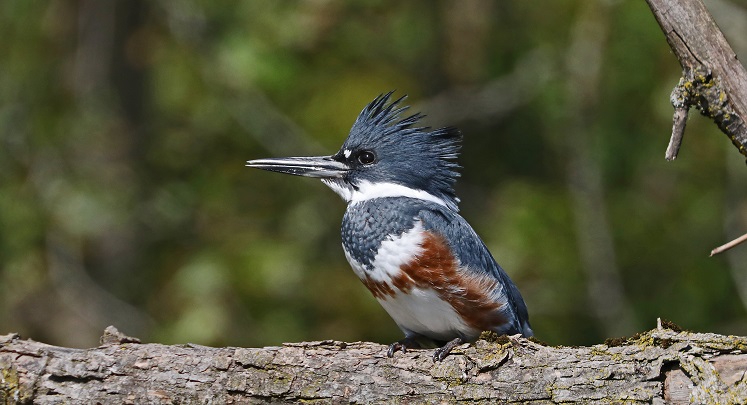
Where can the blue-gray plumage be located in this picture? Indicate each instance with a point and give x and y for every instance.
(402, 233)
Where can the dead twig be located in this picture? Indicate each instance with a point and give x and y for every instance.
(729, 245)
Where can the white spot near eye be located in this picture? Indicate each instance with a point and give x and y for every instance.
(347, 153)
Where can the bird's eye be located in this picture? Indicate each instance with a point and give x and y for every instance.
(366, 157)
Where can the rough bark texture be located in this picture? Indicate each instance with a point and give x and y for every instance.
(713, 80)
(656, 366)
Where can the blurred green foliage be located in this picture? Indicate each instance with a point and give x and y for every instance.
(125, 125)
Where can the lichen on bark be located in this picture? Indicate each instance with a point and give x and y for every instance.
(654, 366)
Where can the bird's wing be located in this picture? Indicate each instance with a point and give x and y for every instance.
(474, 256)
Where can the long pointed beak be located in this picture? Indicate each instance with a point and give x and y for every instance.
(317, 166)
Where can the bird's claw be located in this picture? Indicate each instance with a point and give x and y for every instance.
(394, 348)
(409, 343)
(402, 345)
(442, 352)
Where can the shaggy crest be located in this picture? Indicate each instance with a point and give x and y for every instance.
(410, 155)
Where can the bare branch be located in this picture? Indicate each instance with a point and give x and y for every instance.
(729, 245)
(713, 79)
(679, 121)
(681, 101)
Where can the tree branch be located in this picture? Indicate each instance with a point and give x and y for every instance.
(729, 245)
(660, 365)
(713, 80)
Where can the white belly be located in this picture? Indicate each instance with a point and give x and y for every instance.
(423, 312)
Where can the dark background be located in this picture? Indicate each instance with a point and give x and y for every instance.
(125, 126)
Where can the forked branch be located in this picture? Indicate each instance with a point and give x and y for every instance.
(713, 80)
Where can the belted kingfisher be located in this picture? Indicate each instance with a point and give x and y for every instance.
(403, 236)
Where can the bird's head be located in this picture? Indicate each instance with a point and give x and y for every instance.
(384, 156)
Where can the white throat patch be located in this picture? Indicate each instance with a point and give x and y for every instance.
(368, 191)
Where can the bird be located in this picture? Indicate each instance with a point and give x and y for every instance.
(402, 233)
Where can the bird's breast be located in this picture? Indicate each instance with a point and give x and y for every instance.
(421, 284)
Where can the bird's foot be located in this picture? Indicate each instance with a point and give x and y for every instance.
(441, 353)
(403, 345)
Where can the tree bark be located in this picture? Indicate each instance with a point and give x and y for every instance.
(713, 80)
(652, 367)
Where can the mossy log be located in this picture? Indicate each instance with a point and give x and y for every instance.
(658, 366)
